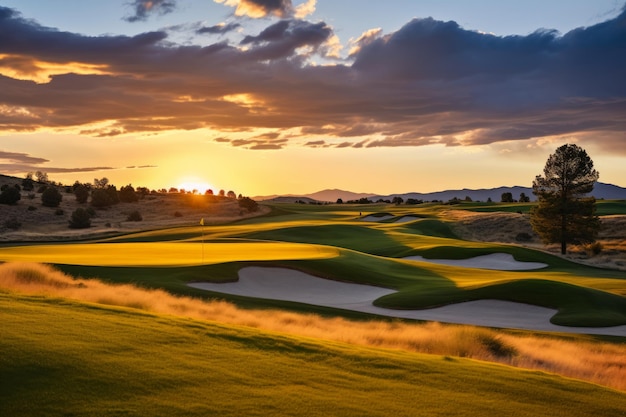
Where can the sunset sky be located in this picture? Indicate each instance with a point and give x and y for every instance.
(280, 96)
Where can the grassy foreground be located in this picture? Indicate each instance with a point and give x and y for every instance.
(60, 357)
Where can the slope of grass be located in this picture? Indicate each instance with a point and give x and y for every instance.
(67, 358)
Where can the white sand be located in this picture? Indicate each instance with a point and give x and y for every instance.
(405, 219)
(372, 218)
(497, 261)
(289, 285)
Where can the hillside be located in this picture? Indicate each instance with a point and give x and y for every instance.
(136, 364)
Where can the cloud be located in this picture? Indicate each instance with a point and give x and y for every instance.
(430, 82)
(17, 157)
(144, 8)
(263, 8)
(218, 29)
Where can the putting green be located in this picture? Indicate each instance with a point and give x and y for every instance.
(164, 253)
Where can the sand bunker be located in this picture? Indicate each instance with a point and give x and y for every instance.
(405, 219)
(497, 261)
(372, 218)
(289, 285)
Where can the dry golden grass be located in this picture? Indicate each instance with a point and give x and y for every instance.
(503, 227)
(599, 362)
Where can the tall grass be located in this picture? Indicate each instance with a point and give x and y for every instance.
(599, 362)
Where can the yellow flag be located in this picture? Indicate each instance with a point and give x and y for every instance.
(202, 221)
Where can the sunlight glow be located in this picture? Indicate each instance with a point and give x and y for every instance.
(26, 68)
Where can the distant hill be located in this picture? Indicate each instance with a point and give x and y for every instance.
(602, 191)
(324, 196)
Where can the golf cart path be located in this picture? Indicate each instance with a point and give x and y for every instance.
(290, 285)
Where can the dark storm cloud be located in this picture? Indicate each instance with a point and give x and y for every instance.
(430, 82)
(142, 9)
(283, 38)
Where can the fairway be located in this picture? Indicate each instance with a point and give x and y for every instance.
(163, 253)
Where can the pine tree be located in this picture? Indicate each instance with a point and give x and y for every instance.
(564, 213)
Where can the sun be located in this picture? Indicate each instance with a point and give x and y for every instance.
(190, 185)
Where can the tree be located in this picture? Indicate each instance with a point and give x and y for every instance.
(100, 183)
(127, 194)
(523, 198)
(231, 194)
(248, 204)
(564, 214)
(507, 198)
(51, 197)
(42, 177)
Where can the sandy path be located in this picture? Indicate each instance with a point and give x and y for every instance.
(290, 285)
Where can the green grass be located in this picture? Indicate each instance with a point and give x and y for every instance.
(332, 242)
(67, 358)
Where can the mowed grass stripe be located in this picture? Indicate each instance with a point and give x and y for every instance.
(163, 253)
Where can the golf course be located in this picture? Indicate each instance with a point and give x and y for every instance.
(310, 307)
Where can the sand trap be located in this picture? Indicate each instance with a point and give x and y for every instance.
(372, 218)
(405, 219)
(497, 261)
(289, 285)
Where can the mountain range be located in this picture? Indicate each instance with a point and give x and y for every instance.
(601, 191)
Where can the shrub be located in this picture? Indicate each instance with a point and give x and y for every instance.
(13, 224)
(10, 195)
(100, 198)
(80, 219)
(134, 216)
(91, 211)
(594, 248)
(31, 196)
(51, 197)
(82, 193)
(41, 189)
(28, 184)
(248, 204)
(523, 237)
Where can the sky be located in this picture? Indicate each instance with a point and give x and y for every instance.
(295, 96)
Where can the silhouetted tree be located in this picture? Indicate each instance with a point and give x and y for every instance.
(41, 177)
(100, 198)
(564, 214)
(397, 200)
(523, 198)
(507, 198)
(339, 201)
(231, 194)
(127, 194)
(51, 197)
(100, 183)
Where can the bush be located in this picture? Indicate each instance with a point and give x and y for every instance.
(13, 224)
(594, 248)
(248, 204)
(82, 193)
(134, 216)
(10, 195)
(100, 198)
(80, 219)
(523, 237)
(51, 197)
(91, 211)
